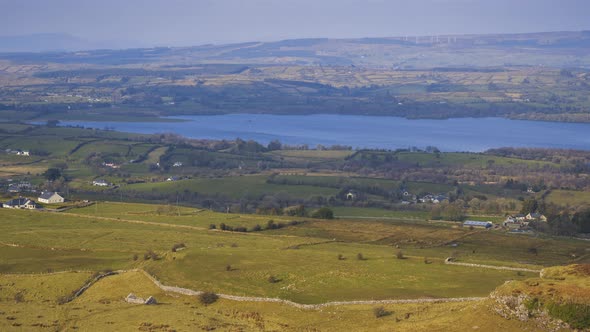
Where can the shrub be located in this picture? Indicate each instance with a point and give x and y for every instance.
(135, 257)
(212, 226)
(360, 257)
(532, 304)
(323, 213)
(63, 300)
(150, 254)
(256, 228)
(381, 312)
(19, 297)
(575, 314)
(271, 224)
(207, 298)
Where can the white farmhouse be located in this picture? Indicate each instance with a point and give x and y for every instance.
(100, 183)
(49, 197)
(20, 203)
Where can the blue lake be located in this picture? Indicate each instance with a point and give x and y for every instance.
(462, 134)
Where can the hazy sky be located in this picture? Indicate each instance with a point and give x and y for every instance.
(184, 22)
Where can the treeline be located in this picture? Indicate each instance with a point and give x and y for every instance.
(560, 220)
(270, 225)
(538, 153)
(575, 161)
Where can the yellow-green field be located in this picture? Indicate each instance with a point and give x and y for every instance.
(308, 273)
(569, 197)
(302, 258)
(102, 308)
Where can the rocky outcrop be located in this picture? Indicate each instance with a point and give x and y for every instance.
(132, 298)
(520, 307)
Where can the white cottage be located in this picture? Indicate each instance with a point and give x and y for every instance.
(49, 197)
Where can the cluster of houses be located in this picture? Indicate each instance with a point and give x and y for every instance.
(409, 198)
(517, 222)
(434, 199)
(22, 186)
(521, 221)
(18, 152)
(46, 197)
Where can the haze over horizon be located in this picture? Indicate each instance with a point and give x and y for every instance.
(182, 23)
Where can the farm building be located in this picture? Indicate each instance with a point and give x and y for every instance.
(473, 223)
(100, 183)
(20, 203)
(49, 197)
(519, 217)
(436, 199)
(20, 153)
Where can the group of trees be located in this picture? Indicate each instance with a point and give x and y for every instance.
(560, 220)
(270, 225)
(449, 211)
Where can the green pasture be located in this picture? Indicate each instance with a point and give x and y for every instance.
(309, 273)
(234, 187)
(569, 197)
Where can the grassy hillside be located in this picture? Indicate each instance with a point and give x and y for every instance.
(234, 187)
(102, 308)
(302, 259)
(314, 272)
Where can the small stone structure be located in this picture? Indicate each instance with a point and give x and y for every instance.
(132, 298)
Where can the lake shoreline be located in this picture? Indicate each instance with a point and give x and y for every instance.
(365, 131)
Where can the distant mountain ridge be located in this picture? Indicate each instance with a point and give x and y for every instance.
(552, 49)
(53, 42)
